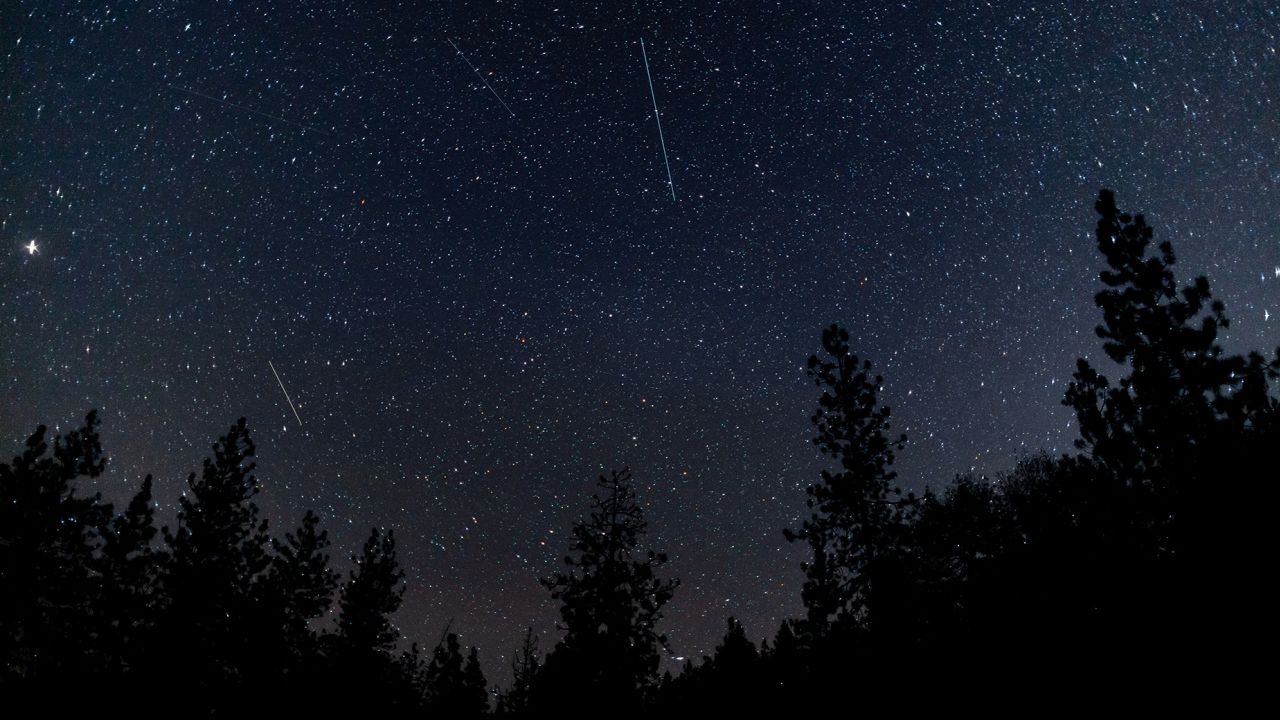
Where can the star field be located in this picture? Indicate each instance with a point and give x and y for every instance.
(448, 234)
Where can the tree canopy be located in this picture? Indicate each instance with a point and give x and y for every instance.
(611, 600)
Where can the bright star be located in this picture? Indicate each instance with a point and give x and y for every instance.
(31, 248)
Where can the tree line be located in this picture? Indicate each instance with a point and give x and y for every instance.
(1139, 558)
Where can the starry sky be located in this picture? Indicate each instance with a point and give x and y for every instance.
(449, 229)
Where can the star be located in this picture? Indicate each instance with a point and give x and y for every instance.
(31, 248)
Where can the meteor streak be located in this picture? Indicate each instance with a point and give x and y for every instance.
(286, 393)
(671, 183)
(477, 72)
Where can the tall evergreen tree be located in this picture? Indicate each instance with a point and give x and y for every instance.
(302, 582)
(218, 558)
(735, 655)
(455, 686)
(855, 520)
(297, 588)
(1182, 418)
(130, 566)
(360, 652)
(1178, 378)
(49, 540)
(370, 597)
(610, 602)
(524, 673)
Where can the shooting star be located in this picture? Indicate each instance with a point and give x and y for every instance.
(286, 393)
(670, 183)
(477, 72)
(238, 106)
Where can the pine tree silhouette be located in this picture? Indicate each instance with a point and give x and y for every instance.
(298, 589)
(610, 602)
(455, 686)
(371, 595)
(856, 520)
(49, 568)
(1183, 418)
(130, 565)
(785, 671)
(525, 665)
(218, 620)
(1143, 559)
(218, 557)
(301, 576)
(360, 652)
(1178, 377)
(735, 654)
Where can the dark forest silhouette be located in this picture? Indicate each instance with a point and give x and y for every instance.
(1139, 559)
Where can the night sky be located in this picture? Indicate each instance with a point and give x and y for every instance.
(480, 294)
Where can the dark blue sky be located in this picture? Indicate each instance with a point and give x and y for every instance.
(477, 311)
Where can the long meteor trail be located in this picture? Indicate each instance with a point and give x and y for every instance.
(286, 393)
(477, 72)
(238, 106)
(670, 183)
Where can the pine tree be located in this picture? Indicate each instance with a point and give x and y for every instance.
(303, 583)
(1183, 420)
(218, 558)
(474, 693)
(297, 588)
(370, 597)
(856, 520)
(524, 673)
(49, 541)
(455, 686)
(130, 566)
(360, 652)
(411, 667)
(735, 655)
(1178, 379)
(784, 664)
(610, 602)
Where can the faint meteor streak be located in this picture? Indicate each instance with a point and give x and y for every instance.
(670, 183)
(238, 106)
(286, 393)
(477, 72)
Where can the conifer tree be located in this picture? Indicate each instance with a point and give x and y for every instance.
(610, 602)
(1178, 378)
(784, 664)
(359, 654)
(302, 581)
(735, 654)
(855, 521)
(1182, 419)
(49, 539)
(218, 557)
(455, 686)
(524, 673)
(370, 597)
(728, 682)
(411, 667)
(130, 565)
(297, 588)
(474, 693)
